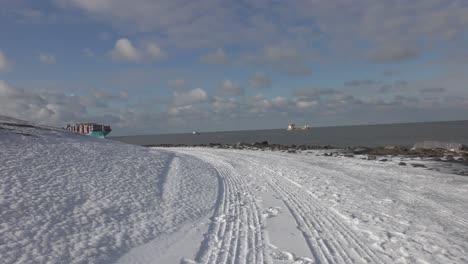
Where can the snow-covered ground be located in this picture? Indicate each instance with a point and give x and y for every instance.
(67, 198)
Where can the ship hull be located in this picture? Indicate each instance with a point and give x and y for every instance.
(98, 134)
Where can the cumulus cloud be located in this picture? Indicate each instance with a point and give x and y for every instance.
(384, 26)
(280, 101)
(260, 80)
(45, 107)
(154, 51)
(193, 96)
(4, 63)
(187, 109)
(230, 88)
(46, 58)
(124, 50)
(216, 57)
(302, 104)
(57, 108)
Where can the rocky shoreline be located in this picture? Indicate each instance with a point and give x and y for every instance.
(427, 151)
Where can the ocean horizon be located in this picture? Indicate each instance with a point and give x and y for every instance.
(338, 136)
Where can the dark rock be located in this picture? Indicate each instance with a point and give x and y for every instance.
(416, 165)
(348, 155)
(449, 158)
(402, 163)
(371, 157)
(292, 151)
(264, 143)
(383, 160)
(360, 150)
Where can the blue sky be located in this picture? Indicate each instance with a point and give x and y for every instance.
(173, 66)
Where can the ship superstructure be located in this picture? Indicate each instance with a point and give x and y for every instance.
(90, 129)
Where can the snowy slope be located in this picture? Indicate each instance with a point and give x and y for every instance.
(68, 198)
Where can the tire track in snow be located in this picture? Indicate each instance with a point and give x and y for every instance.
(329, 240)
(405, 195)
(236, 233)
(402, 193)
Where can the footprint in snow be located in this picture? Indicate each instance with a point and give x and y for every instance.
(272, 211)
(219, 219)
(288, 257)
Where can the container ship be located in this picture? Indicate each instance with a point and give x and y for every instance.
(90, 129)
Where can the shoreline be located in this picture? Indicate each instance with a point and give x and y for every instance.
(371, 153)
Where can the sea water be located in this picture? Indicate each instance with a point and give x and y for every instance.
(364, 135)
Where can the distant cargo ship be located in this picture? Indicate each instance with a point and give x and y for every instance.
(90, 129)
(292, 127)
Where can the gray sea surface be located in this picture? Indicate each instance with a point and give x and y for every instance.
(343, 136)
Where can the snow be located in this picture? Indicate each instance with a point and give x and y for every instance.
(68, 198)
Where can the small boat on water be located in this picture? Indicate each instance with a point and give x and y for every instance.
(293, 127)
(90, 129)
(195, 133)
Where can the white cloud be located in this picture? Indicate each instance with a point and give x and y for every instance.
(280, 101)
(343, 27)
(216, 57)
(221, 104)
(194, 96)
(46, 58)
(4, 63)
(154, 51)
(43, 107)
(230, 88)
(124, 50)
(306, 104)
(260, 80)
(57, 108)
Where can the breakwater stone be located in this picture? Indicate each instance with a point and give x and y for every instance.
(439, 145)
